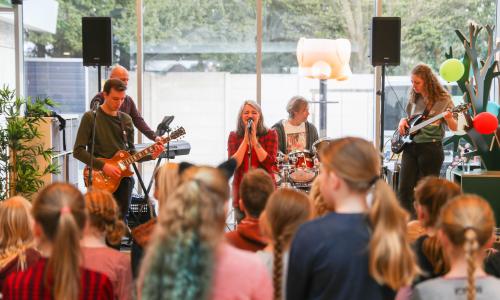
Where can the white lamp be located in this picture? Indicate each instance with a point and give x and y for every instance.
(324, 59)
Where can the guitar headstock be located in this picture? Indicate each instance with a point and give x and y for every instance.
(460, 108)
(177, 133)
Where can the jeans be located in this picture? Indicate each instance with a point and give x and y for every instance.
(419, 160)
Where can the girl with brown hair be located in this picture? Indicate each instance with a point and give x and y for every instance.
(431, 194)
(252, 145)
(17, 250)
(59, 213)
(360, 250)
(285, 211)
(424, 156)
(466, 230)
(104, 226)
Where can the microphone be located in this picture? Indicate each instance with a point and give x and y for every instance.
(249, 125)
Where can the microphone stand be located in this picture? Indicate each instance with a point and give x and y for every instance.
(95, 108)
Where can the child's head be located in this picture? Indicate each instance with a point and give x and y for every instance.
(466, 225)
(431, 194)
(255, 188)
(285, 211)
(103, 214)
(16, 224)
(59, 212)
(166, 181)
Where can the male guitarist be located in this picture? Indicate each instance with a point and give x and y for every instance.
(425, 155)
(113, 132)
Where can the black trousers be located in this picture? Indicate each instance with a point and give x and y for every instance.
(123, 196)
(419, 160)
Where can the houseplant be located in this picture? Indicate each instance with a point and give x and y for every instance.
(20, 173)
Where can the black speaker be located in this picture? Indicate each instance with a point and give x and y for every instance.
(386, 41)
(96, 41)
(14, 2)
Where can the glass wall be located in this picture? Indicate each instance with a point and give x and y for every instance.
(284, 24)
(427, 33)
(199, 63)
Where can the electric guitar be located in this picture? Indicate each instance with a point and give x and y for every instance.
(417, 122)
(122, 159)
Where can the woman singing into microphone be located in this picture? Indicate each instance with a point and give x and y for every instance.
(252, 145)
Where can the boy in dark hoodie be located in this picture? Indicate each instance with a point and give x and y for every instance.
(256, 186)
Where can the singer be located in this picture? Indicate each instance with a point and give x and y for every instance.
(252, 145)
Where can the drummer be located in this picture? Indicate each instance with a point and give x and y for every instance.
(296, 133)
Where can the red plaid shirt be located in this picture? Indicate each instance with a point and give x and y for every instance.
(30, 285)
(269, 142)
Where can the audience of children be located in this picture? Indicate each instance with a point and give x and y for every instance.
(359, 251)
(285, 211)
(104, 226)
(17, 250)
(59, 218)
(356, 246)
(188, 257)
(255, 188)
(465, 231)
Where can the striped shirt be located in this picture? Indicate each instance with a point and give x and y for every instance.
(30, 284)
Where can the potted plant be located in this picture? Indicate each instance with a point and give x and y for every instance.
(20, 174)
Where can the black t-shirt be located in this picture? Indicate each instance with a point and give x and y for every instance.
(423, 262)
(329, 260)
(492, 264)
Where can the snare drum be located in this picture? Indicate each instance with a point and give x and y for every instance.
(301, 159)
(319, 145)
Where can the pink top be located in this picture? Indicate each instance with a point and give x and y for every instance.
(240, 275)
(115, 265)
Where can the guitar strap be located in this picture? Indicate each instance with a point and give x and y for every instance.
(124, 132)
(427, 110)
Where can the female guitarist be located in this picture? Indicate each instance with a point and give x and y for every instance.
(114, 131)
(425, 155)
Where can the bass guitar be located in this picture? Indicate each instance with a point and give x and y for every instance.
(122, 159)
(417, 122)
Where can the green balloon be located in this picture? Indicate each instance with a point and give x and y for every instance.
(451, 69)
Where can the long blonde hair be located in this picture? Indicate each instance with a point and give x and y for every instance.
(468, 222)
(17, 235)
(434, 89)
(179, 262)
(357, 162)
(103, 213)
(318, 203)
(166, 181)
(60, 211)
(285, 211)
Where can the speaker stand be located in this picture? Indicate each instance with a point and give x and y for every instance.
(381, 93)
(98, 78)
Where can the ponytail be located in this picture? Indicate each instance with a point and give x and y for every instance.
(278, 268)
(391, 260)
(471, 246)
(433, 251)
(60, 211)
(64, 261)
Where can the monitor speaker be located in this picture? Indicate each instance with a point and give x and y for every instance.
(386, 41)
(97, 41)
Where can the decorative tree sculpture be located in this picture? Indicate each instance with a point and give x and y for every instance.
(476, 91)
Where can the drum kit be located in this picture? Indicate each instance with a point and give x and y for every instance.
(299, 169)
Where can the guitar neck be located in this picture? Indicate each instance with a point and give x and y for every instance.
(143, 153)
(426, 122)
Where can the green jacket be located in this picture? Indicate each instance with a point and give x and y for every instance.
(311, 136)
